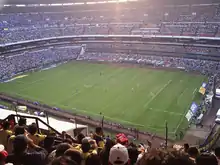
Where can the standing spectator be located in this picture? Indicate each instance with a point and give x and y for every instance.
(75, 155)
(5, 133)
(63, 160)
(119, 155)
(93, 160)
(18, 130)
(21, 154)
(3, 155)
(49, 144)
(98, 137)
(33, 135)
(104, 154)
(22, 122)
(133, 154)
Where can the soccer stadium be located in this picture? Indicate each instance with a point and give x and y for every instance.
(118, 82)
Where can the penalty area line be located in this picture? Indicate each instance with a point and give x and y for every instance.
(164, 111)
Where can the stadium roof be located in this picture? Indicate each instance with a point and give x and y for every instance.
(170, 2)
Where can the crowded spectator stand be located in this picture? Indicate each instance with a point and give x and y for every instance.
(26, 143)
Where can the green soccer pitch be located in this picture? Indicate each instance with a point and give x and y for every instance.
(136, 97)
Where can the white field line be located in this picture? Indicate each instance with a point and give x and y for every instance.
(161, 89)
(117, 97)
(185, 113)
(164, 111)
(181, 95)
(69, 97)
(28, 85)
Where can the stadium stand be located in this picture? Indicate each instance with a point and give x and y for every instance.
(23, 141)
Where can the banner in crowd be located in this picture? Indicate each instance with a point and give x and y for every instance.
(202, 89)
(189, 115)
(194, 107)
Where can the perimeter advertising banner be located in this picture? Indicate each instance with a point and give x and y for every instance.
(193, 109)
(202, 89)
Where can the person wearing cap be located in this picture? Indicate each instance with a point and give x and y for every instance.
(122, 139)
(3, 154)
(119, 155)
(21, 155)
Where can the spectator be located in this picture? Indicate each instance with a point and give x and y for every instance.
(18, 130)
(22, 122)
(119, 155)
(186, 147)
(206, 159)
(21, 155)
(98, 136)
(86, 149)
(79, 138)
(122, 139)
(93, 160)
(3, 155)
(33, 135)
(104, 154)
(164, 157)
(59, 151)
(5, 133)
(63, 160)
(133, 154)
(49, 144)
(193, 153)
(217, 154)
(61, 148)
(75, 155)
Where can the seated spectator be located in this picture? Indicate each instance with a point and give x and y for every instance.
(63, 160)
(74, 154)
(21, 155)
(119, 155)
(5, 133)
(33, 135)
(193, 153)
(206, 159)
